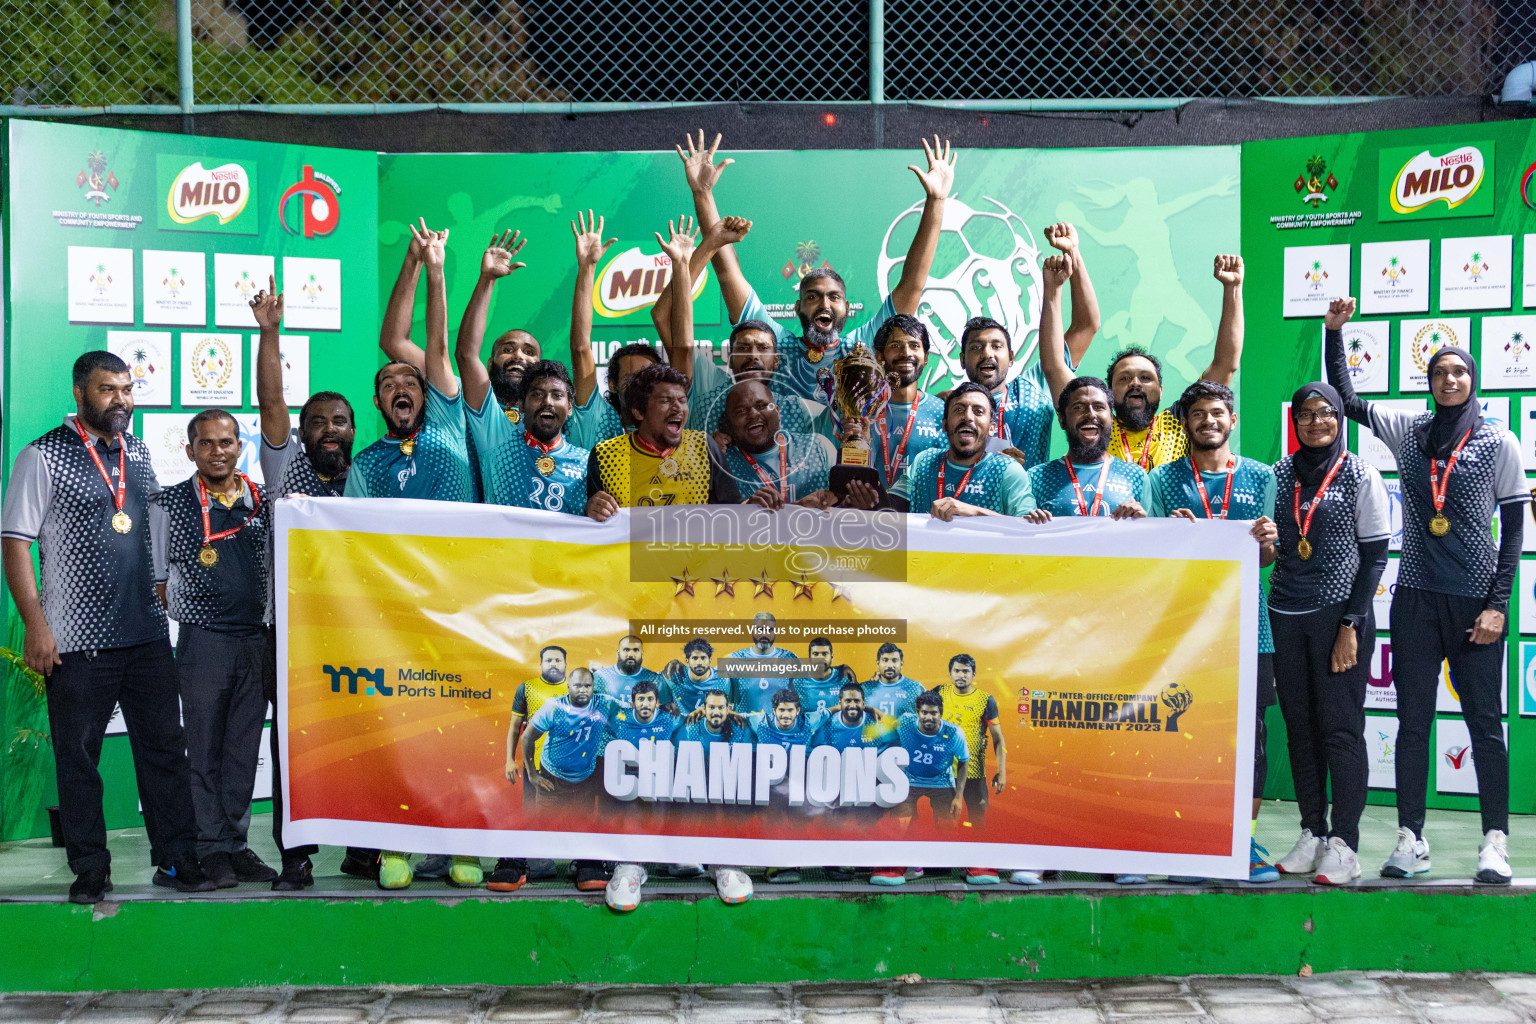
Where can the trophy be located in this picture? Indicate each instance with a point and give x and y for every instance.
(857, 392)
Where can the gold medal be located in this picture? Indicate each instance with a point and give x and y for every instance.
(408, 447)
(208, 556)
(122, 522)
(815, 355)
(545, 464)
(1304, 549)
(1439, 526)
(668, 467)
(514, 415)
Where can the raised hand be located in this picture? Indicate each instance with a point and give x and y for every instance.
(1058, 271)
(588, 229)
(726, 231)
(680, 242)
(940, 176)
(699, 163)
(1339, 312)
(432, 244)
(1229, 270)
(416, 249)
(1063, 236)
(497, 261)
(267, 306)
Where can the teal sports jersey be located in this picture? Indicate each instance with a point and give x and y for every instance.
(437, 469)
(756, 694)
(509, 464)
(818, 695)
(803, 461)
(795, 368)
(617, 686)
(767, 731)
(839, 735)
(688, 693)
(593, 423)
(623, 725)
(893, 699)
(932, 759)
(572, 736)
(711, 382)
(699, 732)
(887, 455)
(1123, 481)
(1172, 486)
(996, 482)
(1025, 408)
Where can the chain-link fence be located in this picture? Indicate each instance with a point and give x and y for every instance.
(329, 53)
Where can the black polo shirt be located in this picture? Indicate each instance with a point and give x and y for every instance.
(231, 595)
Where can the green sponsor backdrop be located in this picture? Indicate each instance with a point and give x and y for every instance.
(1363, 168)
(60, 181)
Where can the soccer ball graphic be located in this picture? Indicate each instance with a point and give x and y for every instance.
(986, 264)
(1177, 698)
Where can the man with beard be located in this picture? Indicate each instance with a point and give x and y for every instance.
(312, 460)
(694, 676)
(770, 463)
(643, 720)
(659, 463)
(822, 306)
(715, 723)
(97, 632)
(964, 479)
(1087, 481)
(423, 455)
(933, 747)
(211, 535)
(754, 695)
(510, 873)
(914, 421)
(1213, 483)
(1023, 420)
(1150, 437)
(532, 465)
(565, 776)
(598, 416)
(891, 692)
(818, 692)
(617, 681)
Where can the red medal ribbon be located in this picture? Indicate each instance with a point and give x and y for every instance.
(1002, 414)
(544, 449)
(783, 486)
(202, 499)
(894, 462)
(960, 488)
(1226, 498)
(1098, 498)
(1317, 499)
(1436, 488)
(650, 449)
(1146, 446)
(120, 492)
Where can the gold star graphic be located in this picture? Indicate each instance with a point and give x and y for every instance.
(839, 593)
(725, 584)
(803, 588)
(763, 585)
(685, 583)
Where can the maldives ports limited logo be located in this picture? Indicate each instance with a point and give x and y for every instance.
(1426, 185)
(221, 198)
(319, 205)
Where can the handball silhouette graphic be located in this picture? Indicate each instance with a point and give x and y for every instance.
(1177, 699)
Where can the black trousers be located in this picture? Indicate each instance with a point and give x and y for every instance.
(1426, 629)
(1324, 715)
(223, 707)
(269, 690)
(977, 793)
(81, 695)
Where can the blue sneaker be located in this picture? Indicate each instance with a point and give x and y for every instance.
(1259, 868)
(1129, 879)
(1186, 880)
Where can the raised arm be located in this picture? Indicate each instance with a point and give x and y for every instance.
(679, 249)
(1056, 272)
(937, 181)
(588, 229)
(495, 264)
(439, 368)
(1339, 312)
(702, 173)
(267, 308)
(723, 232)
(1085, 302)
(395, 334)
(1229, 333)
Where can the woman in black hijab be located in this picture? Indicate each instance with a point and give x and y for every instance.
(1453, 585)
(1333, 516)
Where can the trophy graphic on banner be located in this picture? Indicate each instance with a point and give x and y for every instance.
(857, 392)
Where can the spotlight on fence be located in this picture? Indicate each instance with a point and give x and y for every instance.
(1518, 84)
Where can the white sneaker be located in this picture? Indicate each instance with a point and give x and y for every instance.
(1305, 856)
(733, 885)
(1339, 864)
(623, 891)
(1026, 876)
(1408, 858)
(685, 870)
(1493, 859)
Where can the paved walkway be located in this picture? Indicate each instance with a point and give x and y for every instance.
(1345, 998)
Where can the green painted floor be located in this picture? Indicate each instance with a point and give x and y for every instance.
(35, 870)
